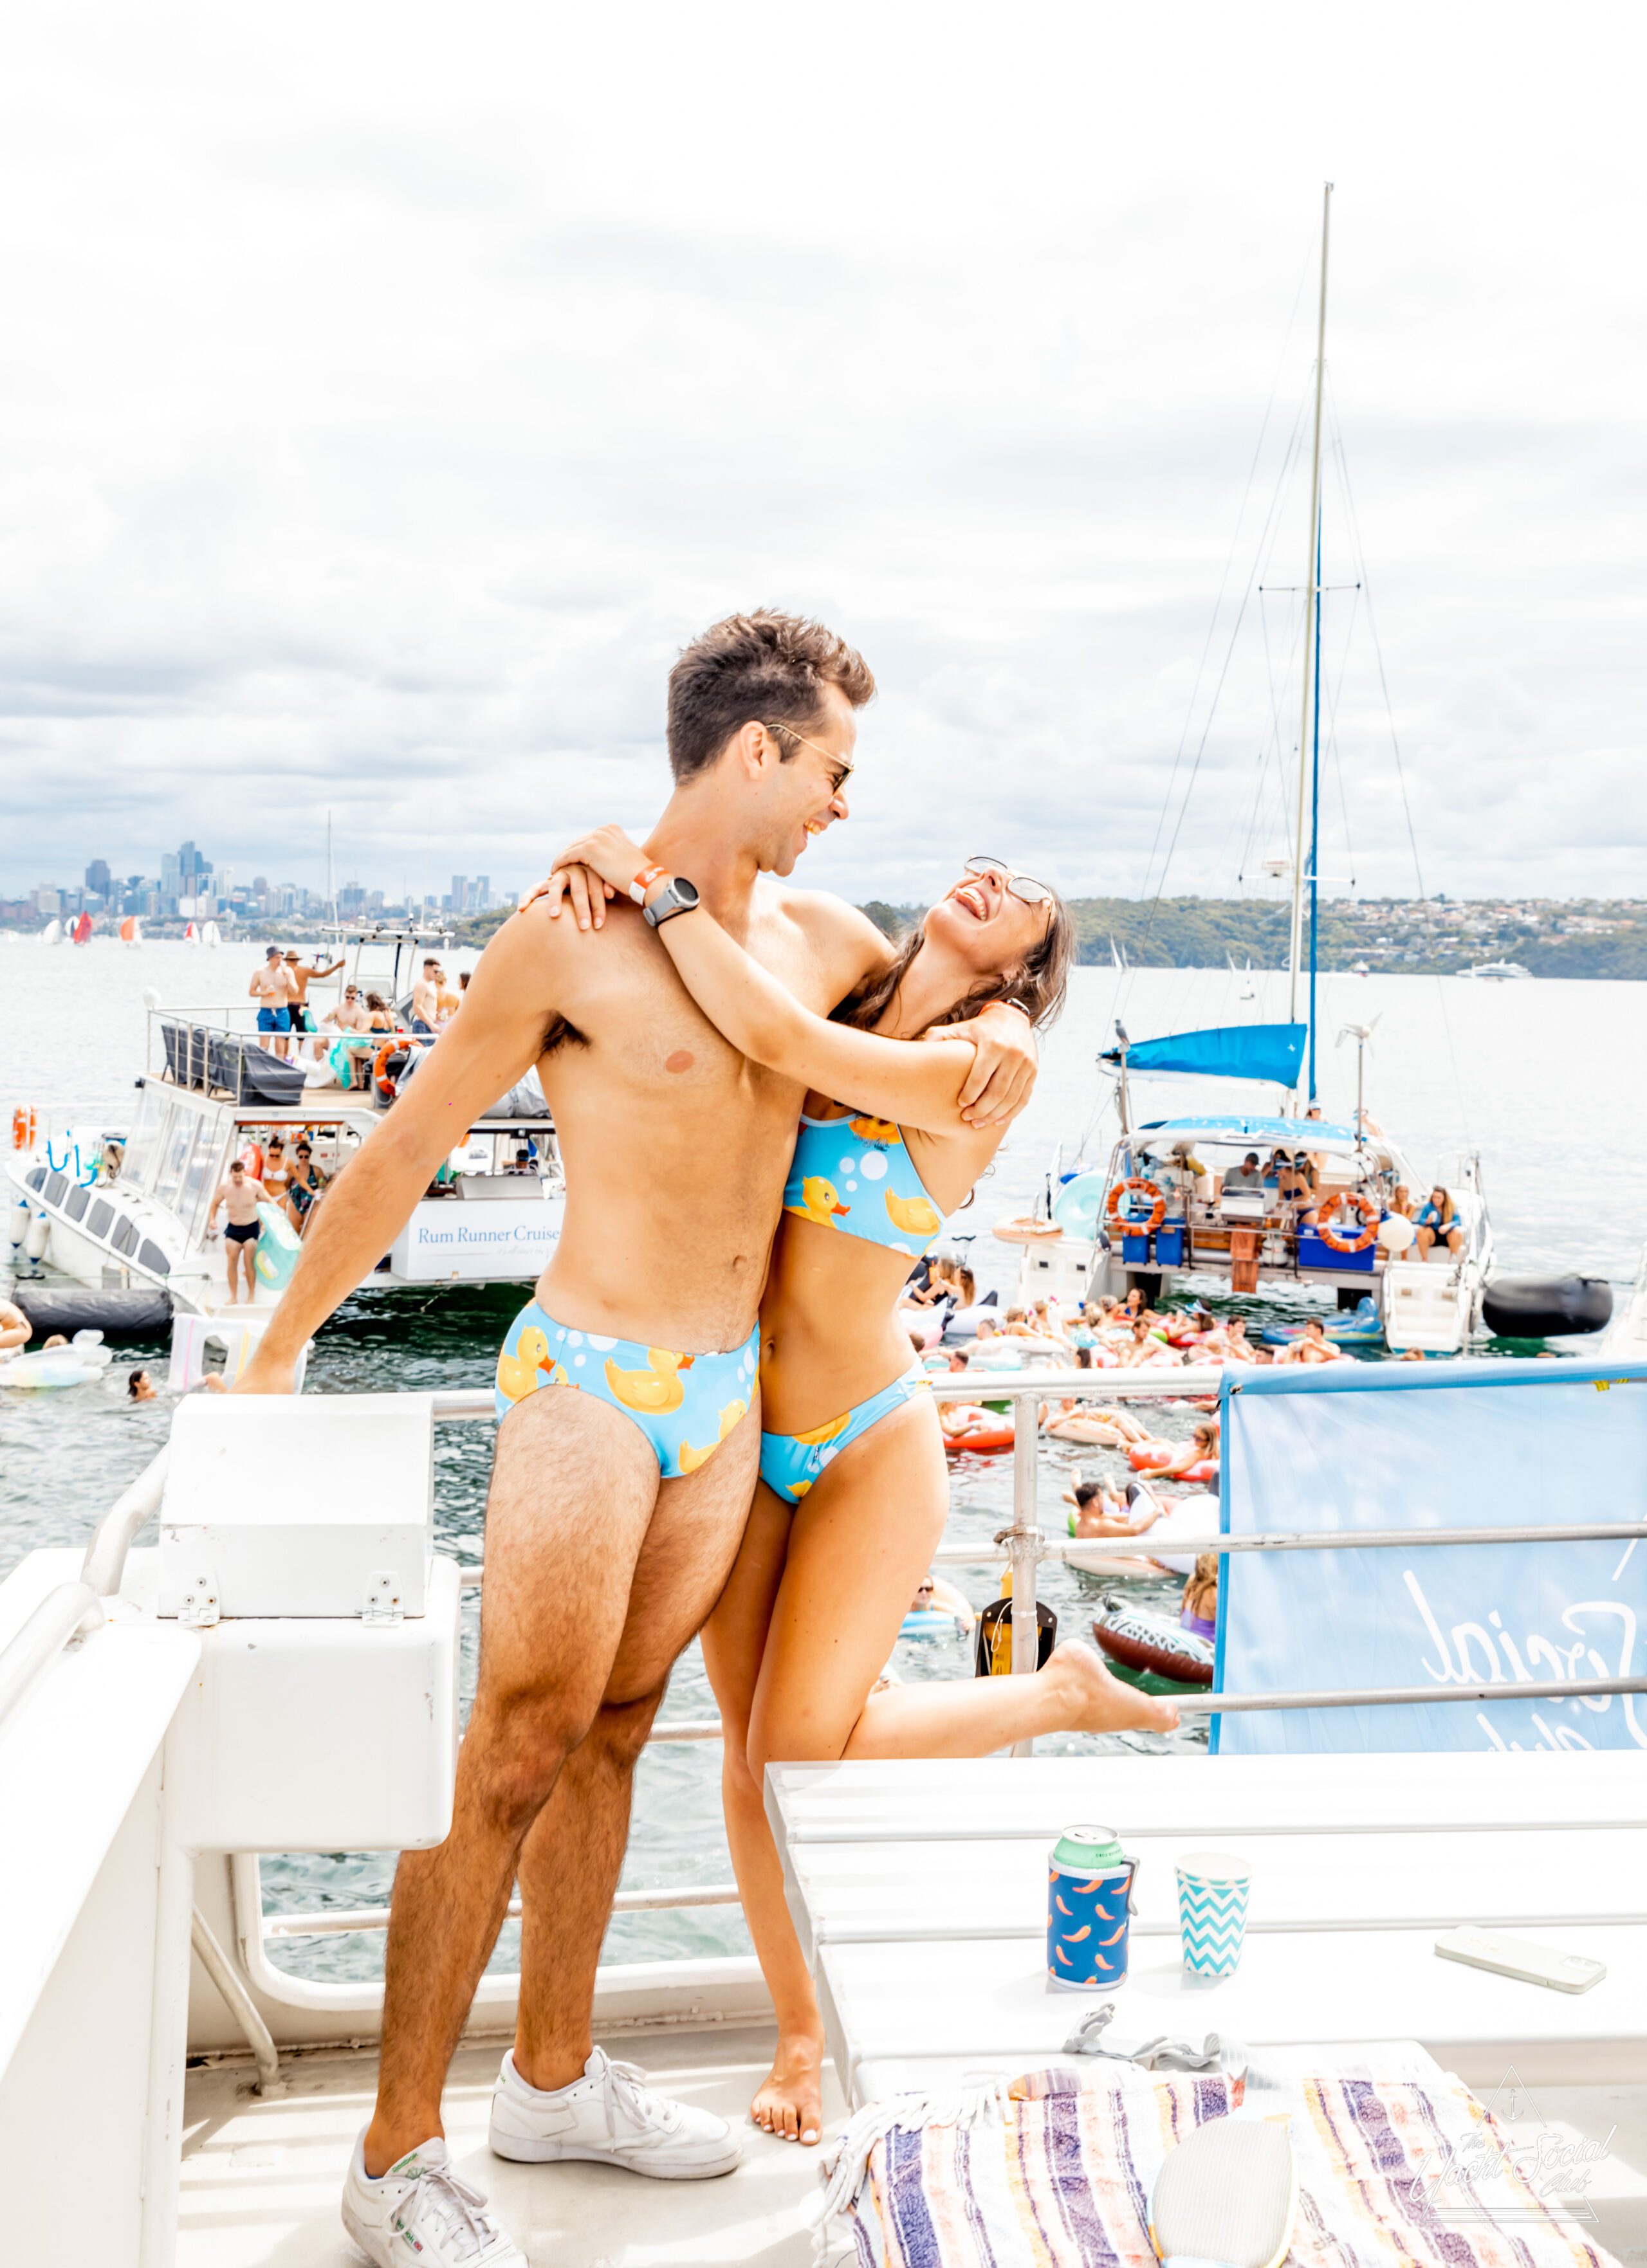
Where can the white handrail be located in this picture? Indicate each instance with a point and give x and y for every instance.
(344, 1920)
(43, 1638)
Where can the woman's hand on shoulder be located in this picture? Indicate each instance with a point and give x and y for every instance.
(588, 874)
(1004, 1064)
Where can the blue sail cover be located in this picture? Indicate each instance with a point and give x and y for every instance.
(1268, 1051)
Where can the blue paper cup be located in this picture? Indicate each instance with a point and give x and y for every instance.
(1212, 1887)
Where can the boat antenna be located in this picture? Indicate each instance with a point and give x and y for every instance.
(1126, 1123)
(331, 894)
(1312, 573)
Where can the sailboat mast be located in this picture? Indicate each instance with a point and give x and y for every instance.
(1295, 959)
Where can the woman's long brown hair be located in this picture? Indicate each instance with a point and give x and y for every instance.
(1039, 981)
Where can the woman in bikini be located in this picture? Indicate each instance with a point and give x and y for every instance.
(854, 1491)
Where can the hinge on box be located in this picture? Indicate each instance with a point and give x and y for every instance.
(200, 1608)
(383, 1597)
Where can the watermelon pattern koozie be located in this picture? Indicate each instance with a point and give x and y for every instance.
(1212, 1887)
(1088, 1901)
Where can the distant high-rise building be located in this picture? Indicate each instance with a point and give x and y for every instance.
(260, 886)
(170, 882)
(480, 903)
(98, 877)
(458, 903)
(48, 900)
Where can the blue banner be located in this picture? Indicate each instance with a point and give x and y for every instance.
(1266, 1051)
(1467, 1444)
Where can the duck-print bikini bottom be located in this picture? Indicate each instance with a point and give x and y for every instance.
(685, 1405)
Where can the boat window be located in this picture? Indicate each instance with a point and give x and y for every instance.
(138, 1161)
(151, 1257)
(54, 1189)
(78, 1200)
(172, 1155)
(205, 1170)
(125, 1236)
(102, 1213)
(37, 1179)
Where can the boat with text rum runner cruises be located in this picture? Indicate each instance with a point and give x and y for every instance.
(114, 1231)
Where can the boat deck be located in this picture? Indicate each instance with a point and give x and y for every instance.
(262, 2180)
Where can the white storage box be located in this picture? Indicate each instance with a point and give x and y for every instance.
(308, 1505)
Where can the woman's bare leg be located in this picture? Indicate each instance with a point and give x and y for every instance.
(865, 1535)
(790, 2101)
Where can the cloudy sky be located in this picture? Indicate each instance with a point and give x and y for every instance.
(386, 392)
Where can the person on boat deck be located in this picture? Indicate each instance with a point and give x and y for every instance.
(630, 1493)
(274, 989)
(1100, 1511)
(850, 1426)
(1316, 1160)
(426, 1000)
(1199, 1610)
(1437, 1223)
(380, 1015)
(303, 974)
(276, 1174)
(1312, 1345)
(349, 1015)
(240, 1194)
(306, 1186)
(1247, 1178)
(15, 1329)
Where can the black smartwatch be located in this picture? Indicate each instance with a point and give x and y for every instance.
(677, 897)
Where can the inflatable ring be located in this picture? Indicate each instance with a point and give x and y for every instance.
(1026, 1231)
(1368, 1210)
(252, 1157)
(1146, 1643)
(1204, 1471)
(382, 1083)
(980, 1444)
(1149, 1457)
(22, 1128)
(1120, 1190)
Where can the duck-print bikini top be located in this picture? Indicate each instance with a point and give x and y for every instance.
(855, 1174)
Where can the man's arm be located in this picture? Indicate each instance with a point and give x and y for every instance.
(483, 1054)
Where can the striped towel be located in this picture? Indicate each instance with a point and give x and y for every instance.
(1058, 2166)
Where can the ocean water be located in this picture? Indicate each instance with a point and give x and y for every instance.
(1547, 1080)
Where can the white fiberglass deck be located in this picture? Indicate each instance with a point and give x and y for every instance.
(262, 2181)
(919, 1890)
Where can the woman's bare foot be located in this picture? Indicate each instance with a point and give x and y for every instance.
(789, 2101)
(1098, 1702)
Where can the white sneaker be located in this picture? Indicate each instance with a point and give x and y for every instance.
(421, 2211)
(611, 2117)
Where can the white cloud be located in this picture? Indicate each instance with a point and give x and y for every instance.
(386, 395)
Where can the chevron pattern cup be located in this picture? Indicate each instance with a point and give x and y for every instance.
(1212, 1887)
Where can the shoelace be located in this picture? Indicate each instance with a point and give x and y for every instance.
(454, 2209)
(625, 2084)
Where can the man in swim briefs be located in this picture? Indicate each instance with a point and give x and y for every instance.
(239, 1194)
(615, 1510)
(274, 991)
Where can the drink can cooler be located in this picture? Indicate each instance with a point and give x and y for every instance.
(1088, 1904)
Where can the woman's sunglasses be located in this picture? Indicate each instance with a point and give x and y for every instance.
(1027, 892)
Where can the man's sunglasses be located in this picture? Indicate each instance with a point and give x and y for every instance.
(1027, 892)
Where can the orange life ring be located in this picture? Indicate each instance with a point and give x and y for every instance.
(252, 1159)
(1112, 1209)
(385, 1086)
(1330, 1236)
(22, 1128)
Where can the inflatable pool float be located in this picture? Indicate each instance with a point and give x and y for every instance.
(1359, 1328)
(1026, 1230)
(44, 1373)
(980, 1443)
(934, 1622)
(1079, 1204)
(1139, 1645)
(278, 1248)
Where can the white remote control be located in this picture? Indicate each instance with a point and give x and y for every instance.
(1519, 1957)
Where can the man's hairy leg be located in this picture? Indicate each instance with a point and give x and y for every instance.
(573, 1490)
(572, 1858)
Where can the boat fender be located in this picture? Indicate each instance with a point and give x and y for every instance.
(1546, 1307)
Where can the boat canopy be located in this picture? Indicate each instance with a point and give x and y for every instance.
(1266, 1051)
(1259, 1134)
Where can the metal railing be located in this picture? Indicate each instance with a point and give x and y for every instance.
(75, 1607)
